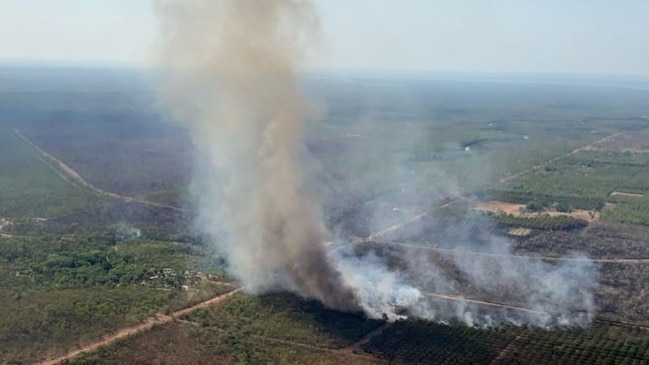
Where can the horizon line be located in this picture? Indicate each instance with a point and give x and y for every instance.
(351, 70)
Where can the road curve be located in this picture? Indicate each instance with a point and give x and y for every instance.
(74, 177)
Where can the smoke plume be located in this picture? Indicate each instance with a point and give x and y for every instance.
(234, 65)
(230, 78)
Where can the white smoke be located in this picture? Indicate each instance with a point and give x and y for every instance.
(230, 78)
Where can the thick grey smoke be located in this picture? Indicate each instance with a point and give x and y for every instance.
(231, 68)
(234, 65)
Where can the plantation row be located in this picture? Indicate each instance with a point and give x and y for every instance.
(543, 222)
(417, 342)
(601, 344)
(639, 183)
(630, 210)
(424, 342)
(584, 180)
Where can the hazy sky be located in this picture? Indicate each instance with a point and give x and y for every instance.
(585, 36)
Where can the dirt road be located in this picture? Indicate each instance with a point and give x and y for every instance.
(525, 257)
(141, 327)
(395, 227)
(631, 195)
(357, 347)
(69, 174)
(482, 303)
(501, 356)
(576, 150)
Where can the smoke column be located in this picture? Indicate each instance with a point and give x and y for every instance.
(230, 78)
(233, 84)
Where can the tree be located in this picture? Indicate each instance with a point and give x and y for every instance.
(534, 206)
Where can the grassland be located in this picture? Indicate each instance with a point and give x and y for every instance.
(275, 328)
(30, 187)
(181, 343)
(91, 285)
(628, 209)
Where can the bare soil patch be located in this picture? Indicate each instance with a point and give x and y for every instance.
(519, 232)
(518, 210)
(5, 222)
(632, 195)
(496, 206)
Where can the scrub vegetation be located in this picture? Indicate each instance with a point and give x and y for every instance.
(75, 262)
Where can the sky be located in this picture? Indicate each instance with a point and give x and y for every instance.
(549, 36)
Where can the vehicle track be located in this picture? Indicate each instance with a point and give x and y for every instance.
(394, 227)
(71, 175)
(345, 350)
(147, 324)
(482, 303)
(523, 257)
(575, 151)
(356, 347)
(373, 239)
(501, 356)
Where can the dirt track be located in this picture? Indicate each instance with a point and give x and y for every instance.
(501, 356)
(524, 257)
(631, 195)
(482, 303)
(160, 319)
(576, 150)
(69, 174)
(395, 227)
(357, 347)
(141, 327)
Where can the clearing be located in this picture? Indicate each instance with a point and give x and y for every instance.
(518, 210)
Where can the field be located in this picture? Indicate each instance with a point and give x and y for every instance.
(424, 342)
(411, 167)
